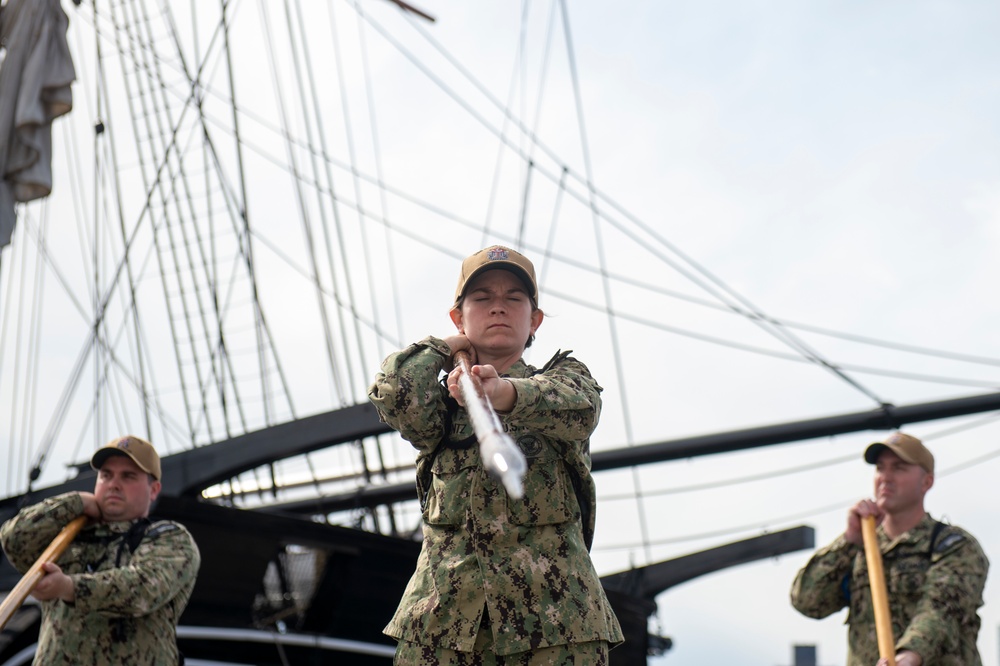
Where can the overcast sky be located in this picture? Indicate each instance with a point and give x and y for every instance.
(835, 164)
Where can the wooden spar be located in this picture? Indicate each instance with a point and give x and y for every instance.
(880, 598)
(501, 457)
(27, 583)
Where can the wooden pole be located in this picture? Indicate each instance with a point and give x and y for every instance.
(501, 457)
(27, 583)
(880, 598)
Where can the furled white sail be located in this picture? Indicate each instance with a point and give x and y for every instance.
(35, 80)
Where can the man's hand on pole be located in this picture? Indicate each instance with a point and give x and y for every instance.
(54, 585)
(903, 658)
(863, 508)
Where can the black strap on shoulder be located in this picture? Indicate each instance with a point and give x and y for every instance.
(900, 554)
(132, 539)
(938, 526)
(141, 529)
(556, 359)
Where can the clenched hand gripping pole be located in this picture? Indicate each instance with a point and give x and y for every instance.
(27, 583)
(880, 598)
(501, 457)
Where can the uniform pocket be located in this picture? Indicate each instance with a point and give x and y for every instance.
(548, 493)
(906, 579)
(451, 481)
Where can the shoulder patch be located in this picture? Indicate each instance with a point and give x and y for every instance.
(160, 527)
(949, 541)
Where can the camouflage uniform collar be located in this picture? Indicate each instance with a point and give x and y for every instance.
(518, 369)
(116, 526)
(914, 535)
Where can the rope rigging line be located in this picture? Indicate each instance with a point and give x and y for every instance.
(735, 481)
(102, 299)
(107, 343)
(218, 360)
(213, 374)
(366, 251)
(730, 308)
(548, 253)
(300, 197)
(536, 123)
(236, 216)
(759, 318)
(102, 95)
(379, 174)
(529, 165)
(778, 332)
(45, 257)
(914, 349)
(842, 505)
(532, 173)
(605, 283)
(101, 308)
(724, 296)
(244, 143)
(383, 188)
(553, 225)
(338, 222)
(142, 94)
(491, 198)
(22, 264)
(467, 75)
(261, 330)
(768, 352)
(290, 262)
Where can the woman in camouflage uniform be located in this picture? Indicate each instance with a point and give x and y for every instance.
(498, 580)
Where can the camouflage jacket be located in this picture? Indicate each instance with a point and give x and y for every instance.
(934, 574)
(124, 614)
(525, 561)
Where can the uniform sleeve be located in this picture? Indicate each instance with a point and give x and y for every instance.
(563, 402)
(952, 594)
(408, 395)
(819, 588)
(160, 569)
(26, 536)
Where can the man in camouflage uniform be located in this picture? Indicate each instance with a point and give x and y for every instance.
(934, 572)
(498, 580)
(115, 595)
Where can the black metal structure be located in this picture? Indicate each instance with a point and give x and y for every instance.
(885, 418)
(265, 567)
(633, 593)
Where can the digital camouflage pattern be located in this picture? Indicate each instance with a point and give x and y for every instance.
(123, 614)
(525, 561)
(934, 590)
(591, 654)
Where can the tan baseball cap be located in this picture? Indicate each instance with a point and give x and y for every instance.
(497, 256)
(907, 447)
(139, 450)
